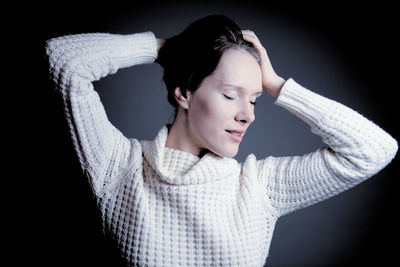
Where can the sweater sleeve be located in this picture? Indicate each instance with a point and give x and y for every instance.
(75, 62)
(356, 150)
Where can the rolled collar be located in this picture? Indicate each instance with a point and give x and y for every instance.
(178, 167)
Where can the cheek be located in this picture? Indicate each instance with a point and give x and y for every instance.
(209, 111)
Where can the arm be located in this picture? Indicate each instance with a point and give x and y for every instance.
(75, 62)
(357, 149)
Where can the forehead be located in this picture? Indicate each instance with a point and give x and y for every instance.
(240, 70)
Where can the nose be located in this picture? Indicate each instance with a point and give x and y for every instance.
(245, 115)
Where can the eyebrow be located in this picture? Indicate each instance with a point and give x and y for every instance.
(259, 93)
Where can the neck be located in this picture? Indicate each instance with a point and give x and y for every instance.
(180, 138)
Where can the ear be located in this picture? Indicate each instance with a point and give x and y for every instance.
(184, 102)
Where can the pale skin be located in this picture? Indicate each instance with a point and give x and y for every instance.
(223, 102)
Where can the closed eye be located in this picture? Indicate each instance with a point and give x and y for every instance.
(231, 98)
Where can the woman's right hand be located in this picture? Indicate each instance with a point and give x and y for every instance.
(160, 43)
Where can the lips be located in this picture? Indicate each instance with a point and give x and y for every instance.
(234, 132)
(235, 135)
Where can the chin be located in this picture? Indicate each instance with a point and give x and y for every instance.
(226, 153)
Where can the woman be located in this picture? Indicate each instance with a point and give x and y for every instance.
(181, 199)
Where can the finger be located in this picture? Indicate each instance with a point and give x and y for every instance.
(251, 38)
(248, 32)
(250, 35)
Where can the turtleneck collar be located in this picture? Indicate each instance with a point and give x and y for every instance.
(183, 168)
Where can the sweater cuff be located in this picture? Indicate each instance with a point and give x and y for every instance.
(302, 102)
(138, 48)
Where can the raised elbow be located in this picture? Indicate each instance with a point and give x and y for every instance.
(391, 148)
(377, 155)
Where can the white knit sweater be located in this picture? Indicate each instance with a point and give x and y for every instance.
(167, 207)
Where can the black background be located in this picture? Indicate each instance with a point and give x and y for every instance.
(54, 221)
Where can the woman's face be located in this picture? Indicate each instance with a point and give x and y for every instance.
(224, 103)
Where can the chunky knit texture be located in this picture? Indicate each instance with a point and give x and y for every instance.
(166, 207)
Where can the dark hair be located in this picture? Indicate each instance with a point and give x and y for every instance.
(194, 54)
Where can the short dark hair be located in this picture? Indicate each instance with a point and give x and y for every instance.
(194, 54)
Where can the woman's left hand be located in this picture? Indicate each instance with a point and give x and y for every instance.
(271, 82)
